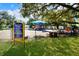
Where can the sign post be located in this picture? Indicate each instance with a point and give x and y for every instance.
(18, 32)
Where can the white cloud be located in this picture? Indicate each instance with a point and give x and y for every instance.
(18, 15)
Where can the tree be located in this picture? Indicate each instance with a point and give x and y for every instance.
(5, 19)
(50, 11)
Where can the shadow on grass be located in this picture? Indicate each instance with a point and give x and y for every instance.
(15, 50)
(60, 46)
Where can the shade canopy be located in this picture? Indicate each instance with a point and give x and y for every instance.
(38, 22)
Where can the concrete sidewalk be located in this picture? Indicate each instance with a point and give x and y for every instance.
(7, 34)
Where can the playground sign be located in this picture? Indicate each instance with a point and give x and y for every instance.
(18, 30)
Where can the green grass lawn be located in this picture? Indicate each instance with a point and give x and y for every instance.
(62, 46)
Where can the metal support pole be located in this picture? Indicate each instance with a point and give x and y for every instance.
(24, 34)
(13, 37)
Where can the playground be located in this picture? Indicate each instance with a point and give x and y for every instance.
(38, 42)
(37, 29)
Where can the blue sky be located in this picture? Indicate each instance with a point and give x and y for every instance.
(13, 9)
(9, 6)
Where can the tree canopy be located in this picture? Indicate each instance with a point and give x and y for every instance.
(50, 11)
(5, 19)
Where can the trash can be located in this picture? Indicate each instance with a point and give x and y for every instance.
(55, 34)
